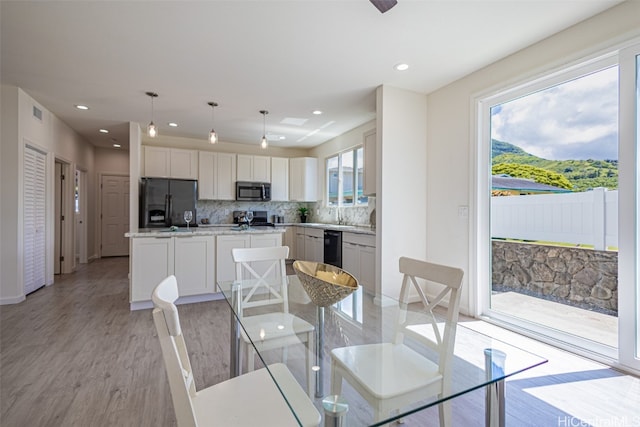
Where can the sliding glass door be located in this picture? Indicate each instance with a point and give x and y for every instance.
(558, 199)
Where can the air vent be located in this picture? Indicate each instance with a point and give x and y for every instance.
(37, 113)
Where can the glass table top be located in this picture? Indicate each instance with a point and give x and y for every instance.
(360, 318)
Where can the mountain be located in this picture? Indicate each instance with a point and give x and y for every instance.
(583, 174)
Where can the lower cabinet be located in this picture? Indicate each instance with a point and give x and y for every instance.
(194, 267)
(314, 244)
(189, 258)
(225, 266)
(299, 237)
(358, 258)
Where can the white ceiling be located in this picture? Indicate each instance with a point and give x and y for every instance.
(288, 57)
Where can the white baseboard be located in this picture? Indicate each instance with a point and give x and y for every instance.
(12, 300)
(143, 305)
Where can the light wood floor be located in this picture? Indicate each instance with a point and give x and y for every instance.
(73, 354)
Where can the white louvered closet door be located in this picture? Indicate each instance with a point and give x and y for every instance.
(34, 219)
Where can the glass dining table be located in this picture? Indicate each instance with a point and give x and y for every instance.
(479, 361)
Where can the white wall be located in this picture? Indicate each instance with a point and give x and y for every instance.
(401, 201)
(450, 135)
(9, 289)
(53, 137)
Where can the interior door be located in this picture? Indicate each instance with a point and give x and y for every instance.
(114, 215)
(34, 224)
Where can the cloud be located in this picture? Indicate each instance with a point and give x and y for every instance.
(575, 120)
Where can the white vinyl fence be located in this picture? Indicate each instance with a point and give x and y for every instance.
(588, 218)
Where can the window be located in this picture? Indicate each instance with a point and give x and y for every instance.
(345, 179)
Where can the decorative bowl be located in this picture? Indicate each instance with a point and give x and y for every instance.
(325, 284)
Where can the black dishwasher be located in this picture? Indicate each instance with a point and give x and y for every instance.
(333, 247)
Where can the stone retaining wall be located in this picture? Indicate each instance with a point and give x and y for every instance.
(584, 278)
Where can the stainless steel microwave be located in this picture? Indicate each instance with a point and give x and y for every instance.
(253, 191)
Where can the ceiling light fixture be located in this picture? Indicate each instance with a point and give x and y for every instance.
(263, 143)
(116, 145)
(173, 124)
(401, 67)
(151, 129)
(82, 107)
(103, 131)
(213, 136)
(317, 112)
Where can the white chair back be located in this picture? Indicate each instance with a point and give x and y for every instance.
(437, 335)
(174, 351)
(267, 268)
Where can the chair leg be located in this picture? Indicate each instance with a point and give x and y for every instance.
(445, 412)
(251, 355)
(336, 380)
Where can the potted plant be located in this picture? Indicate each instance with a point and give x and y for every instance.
(303, 211)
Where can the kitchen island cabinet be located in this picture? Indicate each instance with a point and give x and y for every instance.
(194, 257)
(225, 266)
(187, 257)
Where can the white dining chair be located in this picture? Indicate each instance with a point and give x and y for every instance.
(391, 376)
(248, 400)
(266, 270)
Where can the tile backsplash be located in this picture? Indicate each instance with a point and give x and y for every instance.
(221, 211)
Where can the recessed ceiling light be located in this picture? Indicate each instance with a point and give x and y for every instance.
(282, 137)
(104, 131)
(82, 107)
(401, 67)
(172, 124)
(116, 145)
(317, 112)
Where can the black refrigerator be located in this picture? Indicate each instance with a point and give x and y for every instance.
(163, 202)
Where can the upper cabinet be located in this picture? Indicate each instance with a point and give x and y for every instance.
(216, 176)
(279, 179)
(163, 162)
(254, 168)
(303, 179)
(369, 186)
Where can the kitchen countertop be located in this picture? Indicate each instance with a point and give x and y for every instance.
(203, 230)
(222, 229)
(360, 229)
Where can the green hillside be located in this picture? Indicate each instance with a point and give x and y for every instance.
(582, 174)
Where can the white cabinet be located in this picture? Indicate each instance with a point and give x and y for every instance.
(303, 179)
(254, 168)
(299, 236)
(370, 172)
(189, 257)
(289, 239)
(151, 262)
(216, 176)
(358, 258)
(170, 163)
(279, 179)
(314, 244)
(194, 265)
(225, 267)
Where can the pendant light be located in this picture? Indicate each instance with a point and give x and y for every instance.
(151, 129)
(213, 136)
(263, 142)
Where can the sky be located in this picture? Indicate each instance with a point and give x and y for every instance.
(576, 120)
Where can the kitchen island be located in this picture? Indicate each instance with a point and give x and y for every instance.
(198, 257)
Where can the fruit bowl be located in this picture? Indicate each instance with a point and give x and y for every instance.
(325, 284)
